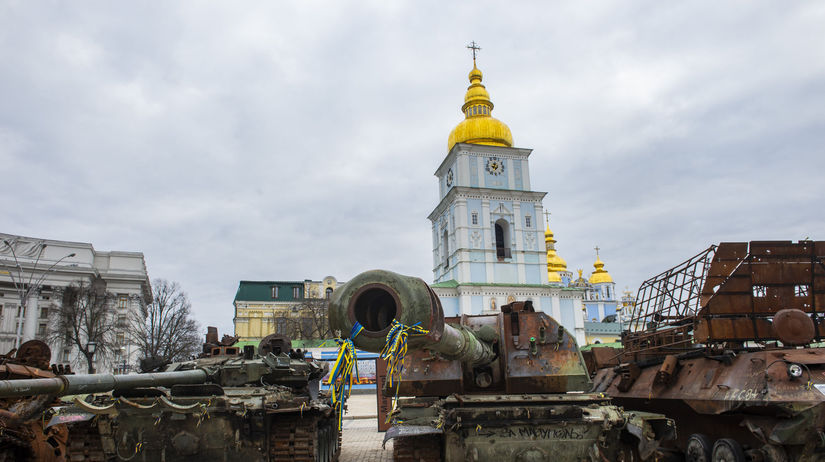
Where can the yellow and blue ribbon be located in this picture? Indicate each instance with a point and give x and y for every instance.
(342, 369)
(395, 349)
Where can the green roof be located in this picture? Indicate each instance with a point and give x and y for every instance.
(451, 284)
(617, 345)
(261, 291)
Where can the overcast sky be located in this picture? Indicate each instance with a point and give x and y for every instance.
(296, 140)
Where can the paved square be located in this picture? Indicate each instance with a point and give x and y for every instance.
(362, 442)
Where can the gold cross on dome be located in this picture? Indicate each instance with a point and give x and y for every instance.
(547, 218)
(475, 49)
(597, 252)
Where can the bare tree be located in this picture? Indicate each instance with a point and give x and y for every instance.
(313, 322)
(164, 330)
(85, 320)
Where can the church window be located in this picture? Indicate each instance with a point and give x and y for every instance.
(445, 257)
(274, 291)
(296, 292)
(329, 292)
(502, 229)
(475, 110)
(528, 221)
(474, 218)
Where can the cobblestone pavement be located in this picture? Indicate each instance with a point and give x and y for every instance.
(362, 442)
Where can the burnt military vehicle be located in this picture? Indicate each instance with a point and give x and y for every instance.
(229, 405)
(504, 386)
(23, 433)
(727, 344)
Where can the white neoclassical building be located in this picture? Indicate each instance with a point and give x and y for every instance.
(44, 267)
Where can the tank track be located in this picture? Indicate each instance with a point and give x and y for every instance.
(424, 448)
(304, 439)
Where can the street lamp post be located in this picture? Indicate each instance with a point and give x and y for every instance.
(91, 347)
(25, 289)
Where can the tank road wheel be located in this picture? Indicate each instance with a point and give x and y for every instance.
(728, 450)
(774, 453)
(699, 448)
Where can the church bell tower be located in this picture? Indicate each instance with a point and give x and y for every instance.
(486, 228)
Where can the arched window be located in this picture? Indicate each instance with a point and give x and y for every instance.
(329, 292)
(445, 256)
(502, 229)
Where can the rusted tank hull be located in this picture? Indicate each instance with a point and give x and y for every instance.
(749, 397)
(207, 429)
(23, 434)
(559, 428)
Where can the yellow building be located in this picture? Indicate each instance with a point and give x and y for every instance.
(293, 308)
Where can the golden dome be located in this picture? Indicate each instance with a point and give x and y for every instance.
(478, 126)
(554, 262)
(553, 276)
(600, 274)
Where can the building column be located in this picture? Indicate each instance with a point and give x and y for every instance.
(31, 316)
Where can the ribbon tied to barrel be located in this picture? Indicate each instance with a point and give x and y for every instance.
(346, 361)
(394, 351)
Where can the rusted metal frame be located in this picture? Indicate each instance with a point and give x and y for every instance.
(651, 297)
(812, 292)
(749, 259)
(659, 347)
(656, 338)
(725, 281)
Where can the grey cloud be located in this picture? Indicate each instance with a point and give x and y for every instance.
(292, 141)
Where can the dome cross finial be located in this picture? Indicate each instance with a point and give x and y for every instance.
(597, 251)
(475, 49)
(547, 218)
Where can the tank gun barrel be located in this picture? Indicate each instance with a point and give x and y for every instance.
(97, 383)
(376, 298)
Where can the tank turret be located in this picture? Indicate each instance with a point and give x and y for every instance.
(485, 387)
(377, 298)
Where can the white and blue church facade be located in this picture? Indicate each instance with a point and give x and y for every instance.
(486, 228)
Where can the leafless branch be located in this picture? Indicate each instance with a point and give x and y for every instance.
(164, 330)
(85, 316)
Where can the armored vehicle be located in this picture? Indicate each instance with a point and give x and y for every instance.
(230, 404)
(23, 434)
(726, 344)
(503, 386)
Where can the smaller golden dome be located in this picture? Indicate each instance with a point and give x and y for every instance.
(478, 126)
(553, 276)
(554, 261)
(600, 275)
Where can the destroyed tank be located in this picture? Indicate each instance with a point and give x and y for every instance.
(230, 404)
(493, 387)
(727, 344)
(24, 435)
